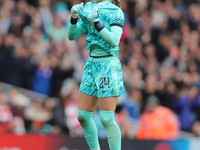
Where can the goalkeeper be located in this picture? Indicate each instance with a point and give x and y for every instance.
(101, 82)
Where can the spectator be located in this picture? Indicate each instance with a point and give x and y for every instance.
(59, 74)
(168, 94)
(133, 104)
(5, 115)
(36, 117)
(13, 67)
(21, 19)
(44, 9)
(186, 107)
(151, 86)
(18, 103)
(127, 124)
(57, 120)
(159, 52)
(58, 29)
(157, 122)
(151, 64)
(42, 78)
(69, 93)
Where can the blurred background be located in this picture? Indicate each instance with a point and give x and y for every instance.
(40, 69)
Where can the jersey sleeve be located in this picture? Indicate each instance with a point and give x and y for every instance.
(81, 26)
(76, 30)
(113, 36)
(117, 18)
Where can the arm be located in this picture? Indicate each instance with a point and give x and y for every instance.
(74, 31)
(113, 36)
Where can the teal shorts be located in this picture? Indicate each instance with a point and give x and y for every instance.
(102, 77)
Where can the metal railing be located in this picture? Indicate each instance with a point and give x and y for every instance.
(31, 94)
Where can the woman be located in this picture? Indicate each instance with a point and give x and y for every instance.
(102, 77)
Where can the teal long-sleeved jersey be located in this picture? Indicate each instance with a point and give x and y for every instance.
(107, 40)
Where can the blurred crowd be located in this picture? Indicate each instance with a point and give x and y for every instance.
(159, 52)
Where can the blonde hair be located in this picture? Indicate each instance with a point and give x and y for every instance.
(116, 2)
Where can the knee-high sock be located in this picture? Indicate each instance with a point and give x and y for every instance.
(89, 128)
(112, 129)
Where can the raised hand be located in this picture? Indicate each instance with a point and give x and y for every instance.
(76, 10)
(94, 16)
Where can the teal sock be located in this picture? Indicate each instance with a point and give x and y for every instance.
(89, 128)
(112, 129)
